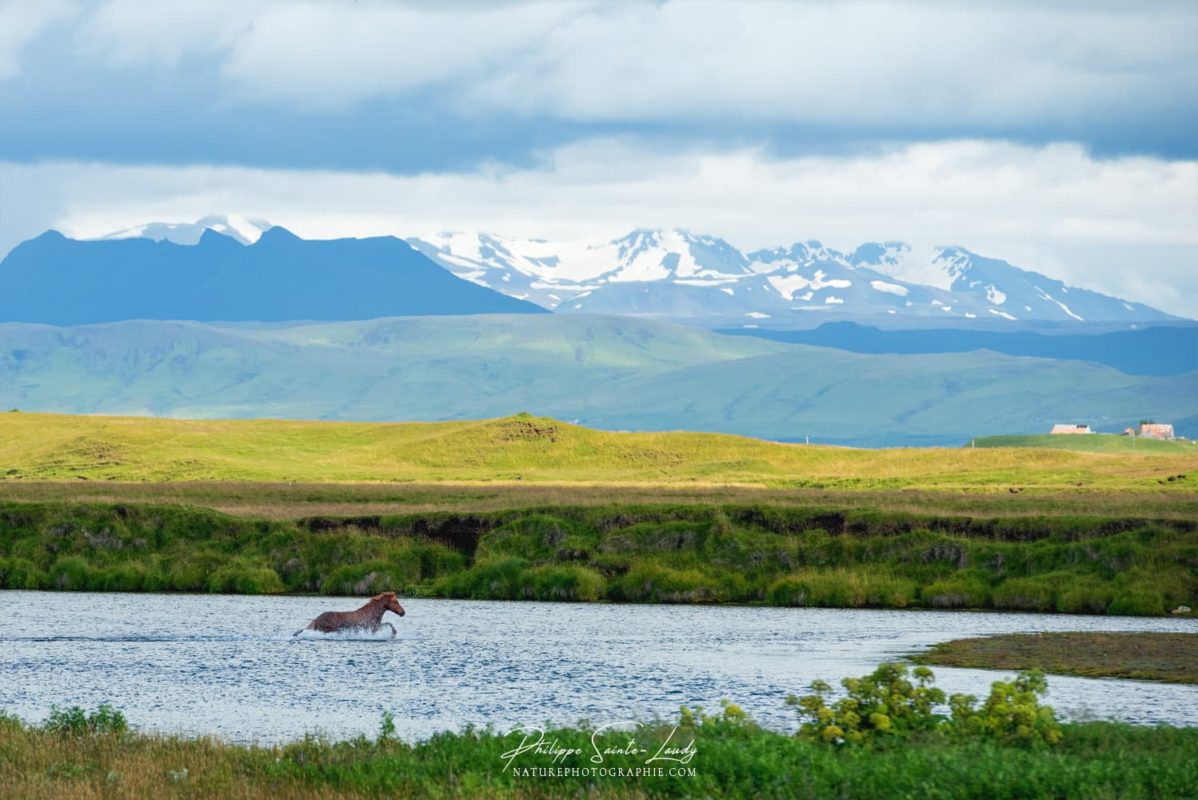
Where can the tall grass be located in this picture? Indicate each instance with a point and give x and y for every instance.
(656, 554)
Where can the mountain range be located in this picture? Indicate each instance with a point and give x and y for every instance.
(677, 275)
(602, 371)
(61, 281)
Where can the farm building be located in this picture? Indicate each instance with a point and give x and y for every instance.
(1157, 430)
(1069, 428)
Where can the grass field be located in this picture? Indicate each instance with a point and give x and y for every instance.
(1093, 443)
(532, 449)
(733, 758)
(1169, 657)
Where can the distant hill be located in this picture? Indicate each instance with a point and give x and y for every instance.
(1166, 350)
(606, 372)
(1092, 443)
(61, 281)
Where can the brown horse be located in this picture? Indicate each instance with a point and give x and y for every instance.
(367, 618)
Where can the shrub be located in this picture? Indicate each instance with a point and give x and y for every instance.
(363, 579)
(1011, 714)
(502, 579)
(886, 704)
(72, 572)
(653, 583)
(242, 578)
(74, 721)
(567, 583)
(1138, 603)
(1084, 597)
(789, 591)
(955, 593)
(1024, 594)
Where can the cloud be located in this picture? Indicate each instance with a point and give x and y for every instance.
(328, 56)
(1124, 225)
(914, 65)
(20, 22)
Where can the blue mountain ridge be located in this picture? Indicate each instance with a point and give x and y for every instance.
(60, 281)
(1159, 350)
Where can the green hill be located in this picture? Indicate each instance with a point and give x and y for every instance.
(603, 372)
(1096, 443)
(528, 449)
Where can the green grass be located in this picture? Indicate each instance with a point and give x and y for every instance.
(751, 554)
(1093, 443)
(534, 449)
(1170, 657)
(733, 759)
(281, 501)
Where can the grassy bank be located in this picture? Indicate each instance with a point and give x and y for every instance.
(732, 759)
(534, 449)
(1171, 657)
(289, 501)
(761, 554)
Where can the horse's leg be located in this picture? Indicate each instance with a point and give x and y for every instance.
(392, 627)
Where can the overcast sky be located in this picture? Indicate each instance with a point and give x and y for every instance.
(1062, 137)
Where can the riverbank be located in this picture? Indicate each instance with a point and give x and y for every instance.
(745, 554)
(1169, 657)
(731, 758)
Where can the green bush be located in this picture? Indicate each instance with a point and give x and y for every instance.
(1083, 596)
(72, 572)
(502, 579)
(567, 583)
(956, 593)
(653, 583)
(245, 579)
(1012, 713)
(74, 721)
(1138, 603)
(886, 704)
(1024, 594)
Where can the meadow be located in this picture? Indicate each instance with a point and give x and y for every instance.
(525, 448)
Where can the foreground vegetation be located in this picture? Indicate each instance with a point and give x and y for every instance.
(884, 739)
(789, 556)
(1170, 657)
(526, 448)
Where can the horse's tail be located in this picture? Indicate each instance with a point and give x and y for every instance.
(301, 630)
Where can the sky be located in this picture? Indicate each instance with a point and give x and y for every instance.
(1062, 137)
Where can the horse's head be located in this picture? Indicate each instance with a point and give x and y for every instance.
(389, 601)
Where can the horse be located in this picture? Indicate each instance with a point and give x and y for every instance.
(367, 618)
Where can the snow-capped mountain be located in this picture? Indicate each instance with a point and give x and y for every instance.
(243, 229)
(673, 273)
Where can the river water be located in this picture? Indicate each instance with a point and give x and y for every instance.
(229, 666)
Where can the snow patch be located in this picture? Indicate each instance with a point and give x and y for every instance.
(1002, 314)
(889, 288)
